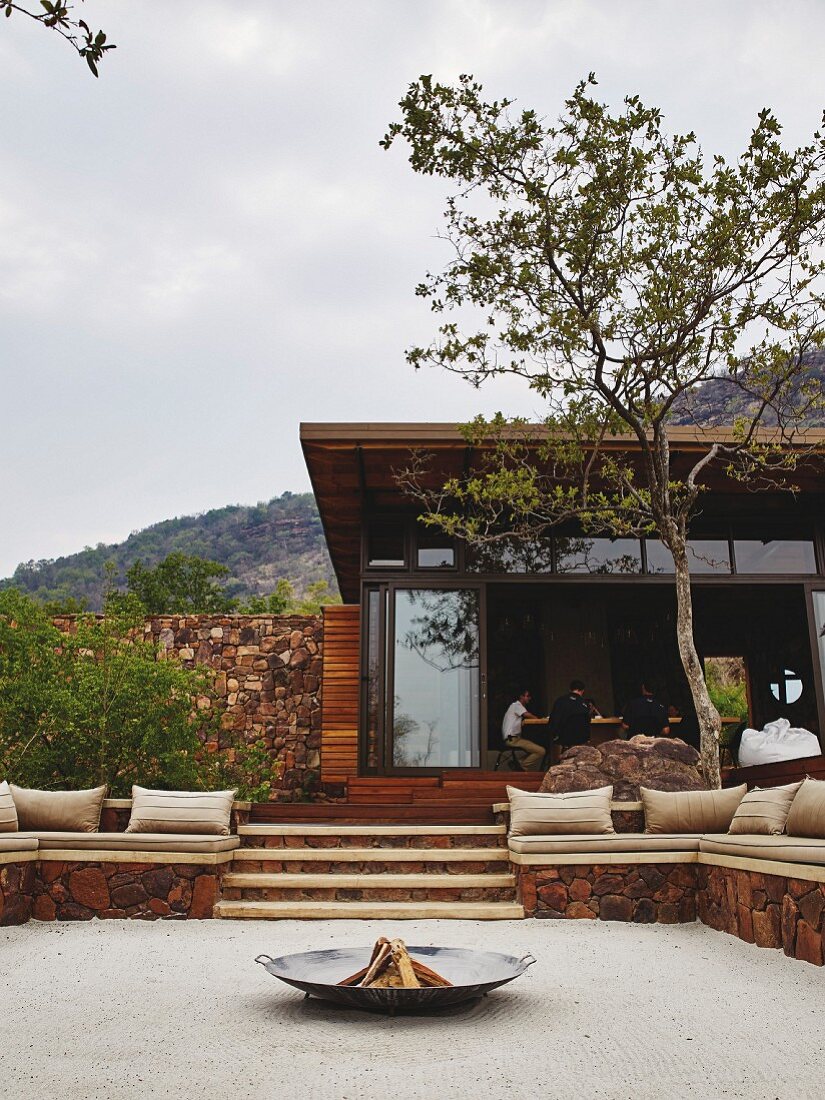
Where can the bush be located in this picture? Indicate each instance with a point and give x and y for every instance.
(100, 704)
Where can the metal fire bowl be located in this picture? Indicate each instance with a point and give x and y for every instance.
(473, 974)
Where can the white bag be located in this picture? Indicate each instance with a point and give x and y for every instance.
(777, 741)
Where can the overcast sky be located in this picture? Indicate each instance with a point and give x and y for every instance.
(207, 246)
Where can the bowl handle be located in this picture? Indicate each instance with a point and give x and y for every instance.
(264, 959)
(528, 959)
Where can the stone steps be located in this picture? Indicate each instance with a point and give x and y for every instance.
(371, 861)
(368, 910)
(375, 888)
(308, 872)
(279, 837)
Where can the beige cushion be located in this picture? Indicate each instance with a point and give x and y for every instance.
(600, 845)
(133, 842)
(764, 812)
(8, 812)
(17, 843)
(690, 811)
(180, 812)
(807, 813)
(787, 849)
(579, 812)
(71, 811)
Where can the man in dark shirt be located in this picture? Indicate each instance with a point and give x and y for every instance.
(645, 715)
(570, 717)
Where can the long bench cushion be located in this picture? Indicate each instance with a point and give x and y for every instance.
(787, 849)
(604, 844)
(17, 843)
(134, 842)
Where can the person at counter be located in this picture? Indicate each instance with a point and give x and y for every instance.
(646, 715)
(570, 717)
(511, 731)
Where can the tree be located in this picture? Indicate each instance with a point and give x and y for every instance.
(181, 584)
(615, 271)
(98, 703)
(55, 14)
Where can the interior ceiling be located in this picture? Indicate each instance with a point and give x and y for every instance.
(353, 469)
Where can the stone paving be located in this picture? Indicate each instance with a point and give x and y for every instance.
(127, 1009)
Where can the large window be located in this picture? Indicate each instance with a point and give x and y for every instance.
(704, 556)
(588, 555)
(819, 627)
(435, 706)
(774, 556)
(386, 544)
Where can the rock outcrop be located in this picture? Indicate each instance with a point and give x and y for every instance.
(663, 763)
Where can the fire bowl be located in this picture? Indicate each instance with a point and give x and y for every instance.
(472, 973)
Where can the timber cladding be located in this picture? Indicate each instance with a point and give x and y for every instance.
(341, 694)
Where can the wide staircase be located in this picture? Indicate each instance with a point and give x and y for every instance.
(398, 847)
(370, 871)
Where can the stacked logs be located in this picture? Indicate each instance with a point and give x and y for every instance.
(392, 967)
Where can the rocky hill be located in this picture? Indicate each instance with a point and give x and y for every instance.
(260, 545)
(718, 402)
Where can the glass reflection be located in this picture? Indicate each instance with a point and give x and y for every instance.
(436, 690)
(584, 555)
(704, 556)
(511, 555)
(774, 556)
(819, 624)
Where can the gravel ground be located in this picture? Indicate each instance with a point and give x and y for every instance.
(122, 1009)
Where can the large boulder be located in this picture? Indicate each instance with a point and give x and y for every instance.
(663, 763)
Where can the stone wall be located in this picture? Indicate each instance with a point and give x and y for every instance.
(267, 683)
(17, 885)
(645, 893)
(768, 910)
(146, 891)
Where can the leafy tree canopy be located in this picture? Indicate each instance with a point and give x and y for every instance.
(617, 271)
(181, 584)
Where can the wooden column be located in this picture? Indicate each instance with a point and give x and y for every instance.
(340, 693)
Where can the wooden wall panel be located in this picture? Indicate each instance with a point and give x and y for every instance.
(340, 693)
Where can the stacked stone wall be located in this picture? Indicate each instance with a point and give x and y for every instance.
(145, 891)
(768, 910)
(267, 684)
(17, 887)
(646, 893)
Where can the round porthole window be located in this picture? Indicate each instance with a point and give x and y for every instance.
(787, 687)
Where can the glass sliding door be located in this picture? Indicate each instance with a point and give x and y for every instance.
(434, 711)
(818, 598)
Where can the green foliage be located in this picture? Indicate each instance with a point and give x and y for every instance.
(181, 584)
(727, 686)
(56, 15)
(280, 538)
(101, 705)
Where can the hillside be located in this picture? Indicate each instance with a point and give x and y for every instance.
(719, 401)
(260, 544)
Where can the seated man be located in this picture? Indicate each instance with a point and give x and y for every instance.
(511, 731)
(645, 715)
(570, 717)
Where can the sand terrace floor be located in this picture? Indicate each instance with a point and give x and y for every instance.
(121, 1009)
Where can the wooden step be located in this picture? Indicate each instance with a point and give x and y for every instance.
(368, 910)
(288, 880)
(381, 813)
(371, 830)
(372, 855)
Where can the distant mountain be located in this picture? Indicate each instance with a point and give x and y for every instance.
(260, 545)
(719, 401)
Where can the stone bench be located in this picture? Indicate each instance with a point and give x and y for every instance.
(78, 876)
(767, 890)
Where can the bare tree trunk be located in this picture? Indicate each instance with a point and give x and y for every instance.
(710, 723)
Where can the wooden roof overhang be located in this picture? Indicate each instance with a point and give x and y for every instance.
(352, 468)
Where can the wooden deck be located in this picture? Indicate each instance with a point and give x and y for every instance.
(458, 798)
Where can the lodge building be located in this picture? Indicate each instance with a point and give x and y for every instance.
(435, 637)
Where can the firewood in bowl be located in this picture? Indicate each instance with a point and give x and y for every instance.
(392, 967)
